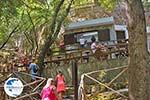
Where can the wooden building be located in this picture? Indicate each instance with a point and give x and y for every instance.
(103, 30)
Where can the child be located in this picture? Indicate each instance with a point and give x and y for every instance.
(60, 80)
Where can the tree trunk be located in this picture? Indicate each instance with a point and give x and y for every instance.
(43, 52)
(53, 33)
(138, 70)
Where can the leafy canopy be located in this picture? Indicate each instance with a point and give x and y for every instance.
(31, 15)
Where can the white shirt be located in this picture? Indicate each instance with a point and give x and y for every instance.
(93, 47)
(82, 41)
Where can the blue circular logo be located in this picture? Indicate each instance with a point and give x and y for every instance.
(13, 87)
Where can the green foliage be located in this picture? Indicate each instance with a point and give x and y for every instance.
(31, 15)
(109, 5)
(2, 37)
(146, 4)
(101, 76)
(82, 2)
(109, 96)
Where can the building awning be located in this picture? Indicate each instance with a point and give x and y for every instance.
(91, 23)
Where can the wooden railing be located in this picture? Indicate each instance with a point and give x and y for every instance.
(11, 68)
(30, 91)
(120, 49)
(83, 95)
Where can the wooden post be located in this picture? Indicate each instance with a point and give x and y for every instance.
(75, 79)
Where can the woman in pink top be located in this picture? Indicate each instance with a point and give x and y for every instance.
(60, 80)
(48, 91)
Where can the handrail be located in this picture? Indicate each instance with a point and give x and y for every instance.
(81, 86)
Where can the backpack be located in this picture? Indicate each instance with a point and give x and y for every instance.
(35, 68)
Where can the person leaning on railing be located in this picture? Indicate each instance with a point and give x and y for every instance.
(94, 45)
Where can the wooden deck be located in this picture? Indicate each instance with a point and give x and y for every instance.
(79, 54)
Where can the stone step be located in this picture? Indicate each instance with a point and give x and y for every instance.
(70, 97)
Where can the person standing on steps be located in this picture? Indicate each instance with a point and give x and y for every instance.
(33, 67)
(49, 90)
(60, 84)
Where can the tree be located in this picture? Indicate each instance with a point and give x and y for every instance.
(55, 25)
(139, 73)
(33, 18)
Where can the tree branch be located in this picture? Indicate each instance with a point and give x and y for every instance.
(10, 34)
(25, 4)
(34, 31)
(47, 4)
(50, 38)
(61, 21)
(26, 35)
(55, 15)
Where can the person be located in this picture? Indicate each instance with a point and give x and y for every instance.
(85, 44)
(82, 41)
(93, 45)
(62, 45)
(60, 84)
(33, 67)
(24, 60)
(49, 90)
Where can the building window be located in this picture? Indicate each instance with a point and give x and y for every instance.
(104, 35)
(87, 36)
(120, 35)
(69, 39)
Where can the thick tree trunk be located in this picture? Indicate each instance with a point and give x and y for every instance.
(43, 52)
(138, 65)
(49, 40)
